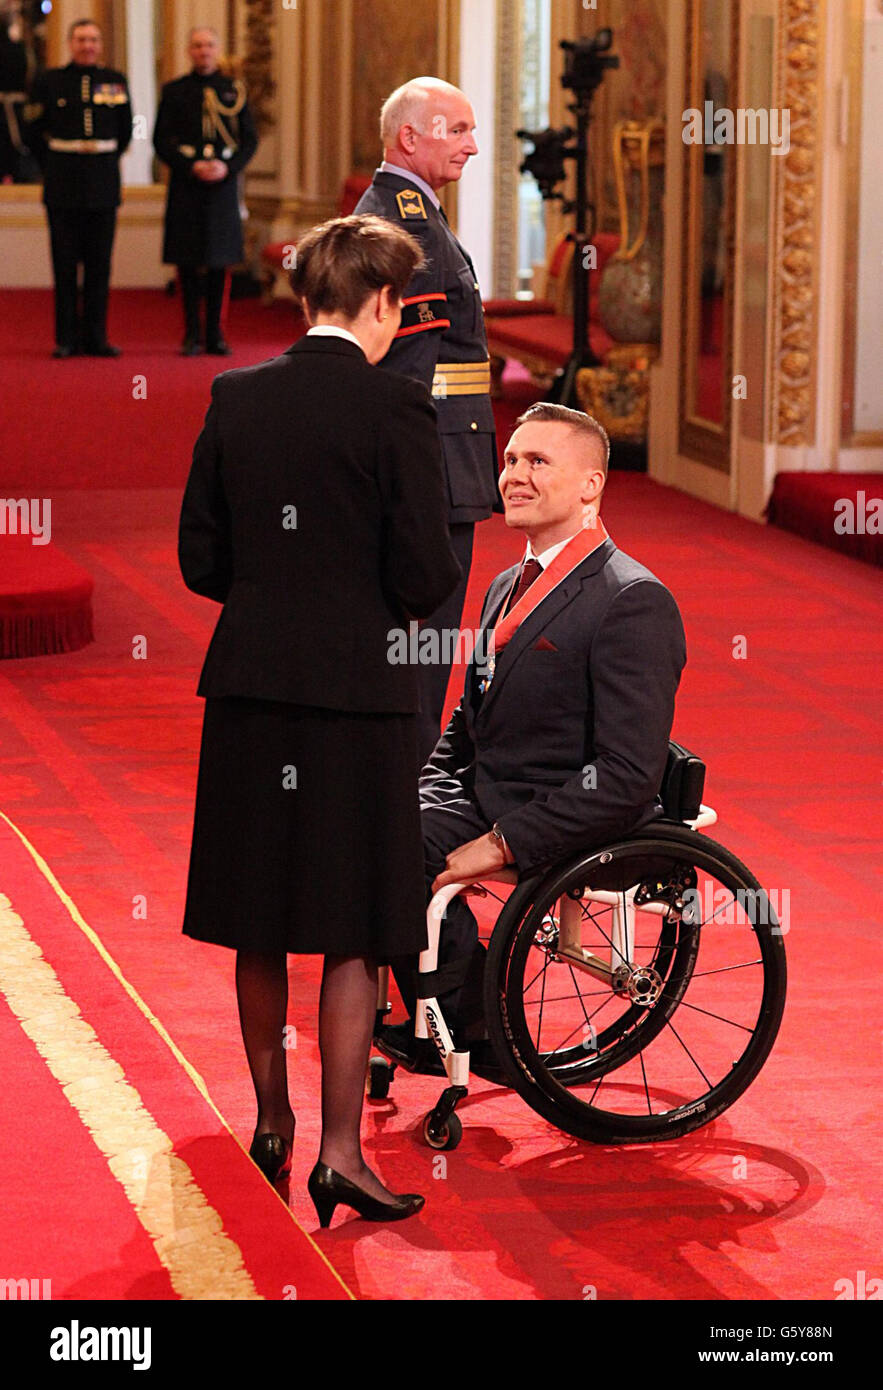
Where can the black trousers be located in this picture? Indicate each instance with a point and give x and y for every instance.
(433, 680)
(212, 283)
(81, 236)
(449, 819)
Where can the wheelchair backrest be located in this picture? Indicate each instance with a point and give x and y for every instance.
(682, 784)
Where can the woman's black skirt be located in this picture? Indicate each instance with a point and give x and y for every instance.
(306, 834)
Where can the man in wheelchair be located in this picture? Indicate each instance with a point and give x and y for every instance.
(560, 740)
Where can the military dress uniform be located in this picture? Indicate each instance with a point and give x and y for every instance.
(199, 118)
(13, 80)
(442, 343)
(79, 123)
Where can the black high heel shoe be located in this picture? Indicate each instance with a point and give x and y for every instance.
(328, 1188)
(272, 1155)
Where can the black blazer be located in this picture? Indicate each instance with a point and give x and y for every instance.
(315, 513)
(587, 681)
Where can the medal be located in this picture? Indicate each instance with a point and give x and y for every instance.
(485, 685)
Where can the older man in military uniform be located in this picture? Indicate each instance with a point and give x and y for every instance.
(427, 132)
(78, 123)
(205, 133)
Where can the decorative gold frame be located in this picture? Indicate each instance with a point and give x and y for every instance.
(506, 176)
(850, 437)
(700, 438)
(449, 69)
(795, 264)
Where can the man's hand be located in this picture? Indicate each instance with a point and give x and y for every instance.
(474, 860)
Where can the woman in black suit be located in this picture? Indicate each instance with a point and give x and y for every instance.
(315, 513)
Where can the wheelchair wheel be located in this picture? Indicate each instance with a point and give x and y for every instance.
(631, 1043)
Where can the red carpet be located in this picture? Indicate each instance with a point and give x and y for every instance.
(841, 510)
(777, 1199)
(90, 422)
(173, 1206)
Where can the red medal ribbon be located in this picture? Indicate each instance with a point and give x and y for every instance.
(565, 562)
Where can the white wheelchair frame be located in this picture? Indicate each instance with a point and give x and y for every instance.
(429, 1020)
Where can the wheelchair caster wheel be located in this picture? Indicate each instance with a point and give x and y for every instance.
(445, 1136)
(380, 1075)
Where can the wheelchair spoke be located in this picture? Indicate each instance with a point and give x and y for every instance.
(542, 998)
(669, 1024)
(722, 969)
(563, 998)
(608, 939)
(622, 1066)
(685, 1004)
(556, 1050)
(542, 969)
(644, 1079)
(596, 1090)
(712, 915)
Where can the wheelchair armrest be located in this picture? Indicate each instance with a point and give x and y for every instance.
(682, 784)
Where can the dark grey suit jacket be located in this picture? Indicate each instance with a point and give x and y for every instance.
(567, 749)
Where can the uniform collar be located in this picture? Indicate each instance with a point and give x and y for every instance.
(411, 177)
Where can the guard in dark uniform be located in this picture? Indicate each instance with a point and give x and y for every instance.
(13, 82)
(205, 133)
(442, 343)
(79, 123)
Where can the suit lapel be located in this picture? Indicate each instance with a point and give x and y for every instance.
(495, 600)
(543, 615)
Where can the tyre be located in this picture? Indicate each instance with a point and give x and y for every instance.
(446, 1136)
(380, 1075)
(633, 1051)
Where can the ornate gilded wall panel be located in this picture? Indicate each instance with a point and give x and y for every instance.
(796, 268)
(508, 151)
(392, 42)
(634, 91)
(257, 61)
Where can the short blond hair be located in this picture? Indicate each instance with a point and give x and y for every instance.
(548, 412)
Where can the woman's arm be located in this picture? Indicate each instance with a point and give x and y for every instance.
(205, 548)
(420, 568)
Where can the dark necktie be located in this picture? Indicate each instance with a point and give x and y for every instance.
(531, 570)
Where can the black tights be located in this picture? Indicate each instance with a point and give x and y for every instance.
(347, 1006)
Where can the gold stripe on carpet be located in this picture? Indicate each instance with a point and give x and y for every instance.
(187, 1233)
(95, 940)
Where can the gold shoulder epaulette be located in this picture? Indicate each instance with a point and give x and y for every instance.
(411, 204)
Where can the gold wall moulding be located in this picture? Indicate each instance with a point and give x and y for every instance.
(850, 437)
(257, 62)
(797, 236)
(707, 438)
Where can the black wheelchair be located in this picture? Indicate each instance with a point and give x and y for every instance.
(631, 994)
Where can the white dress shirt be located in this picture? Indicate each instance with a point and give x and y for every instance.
(546, 557)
